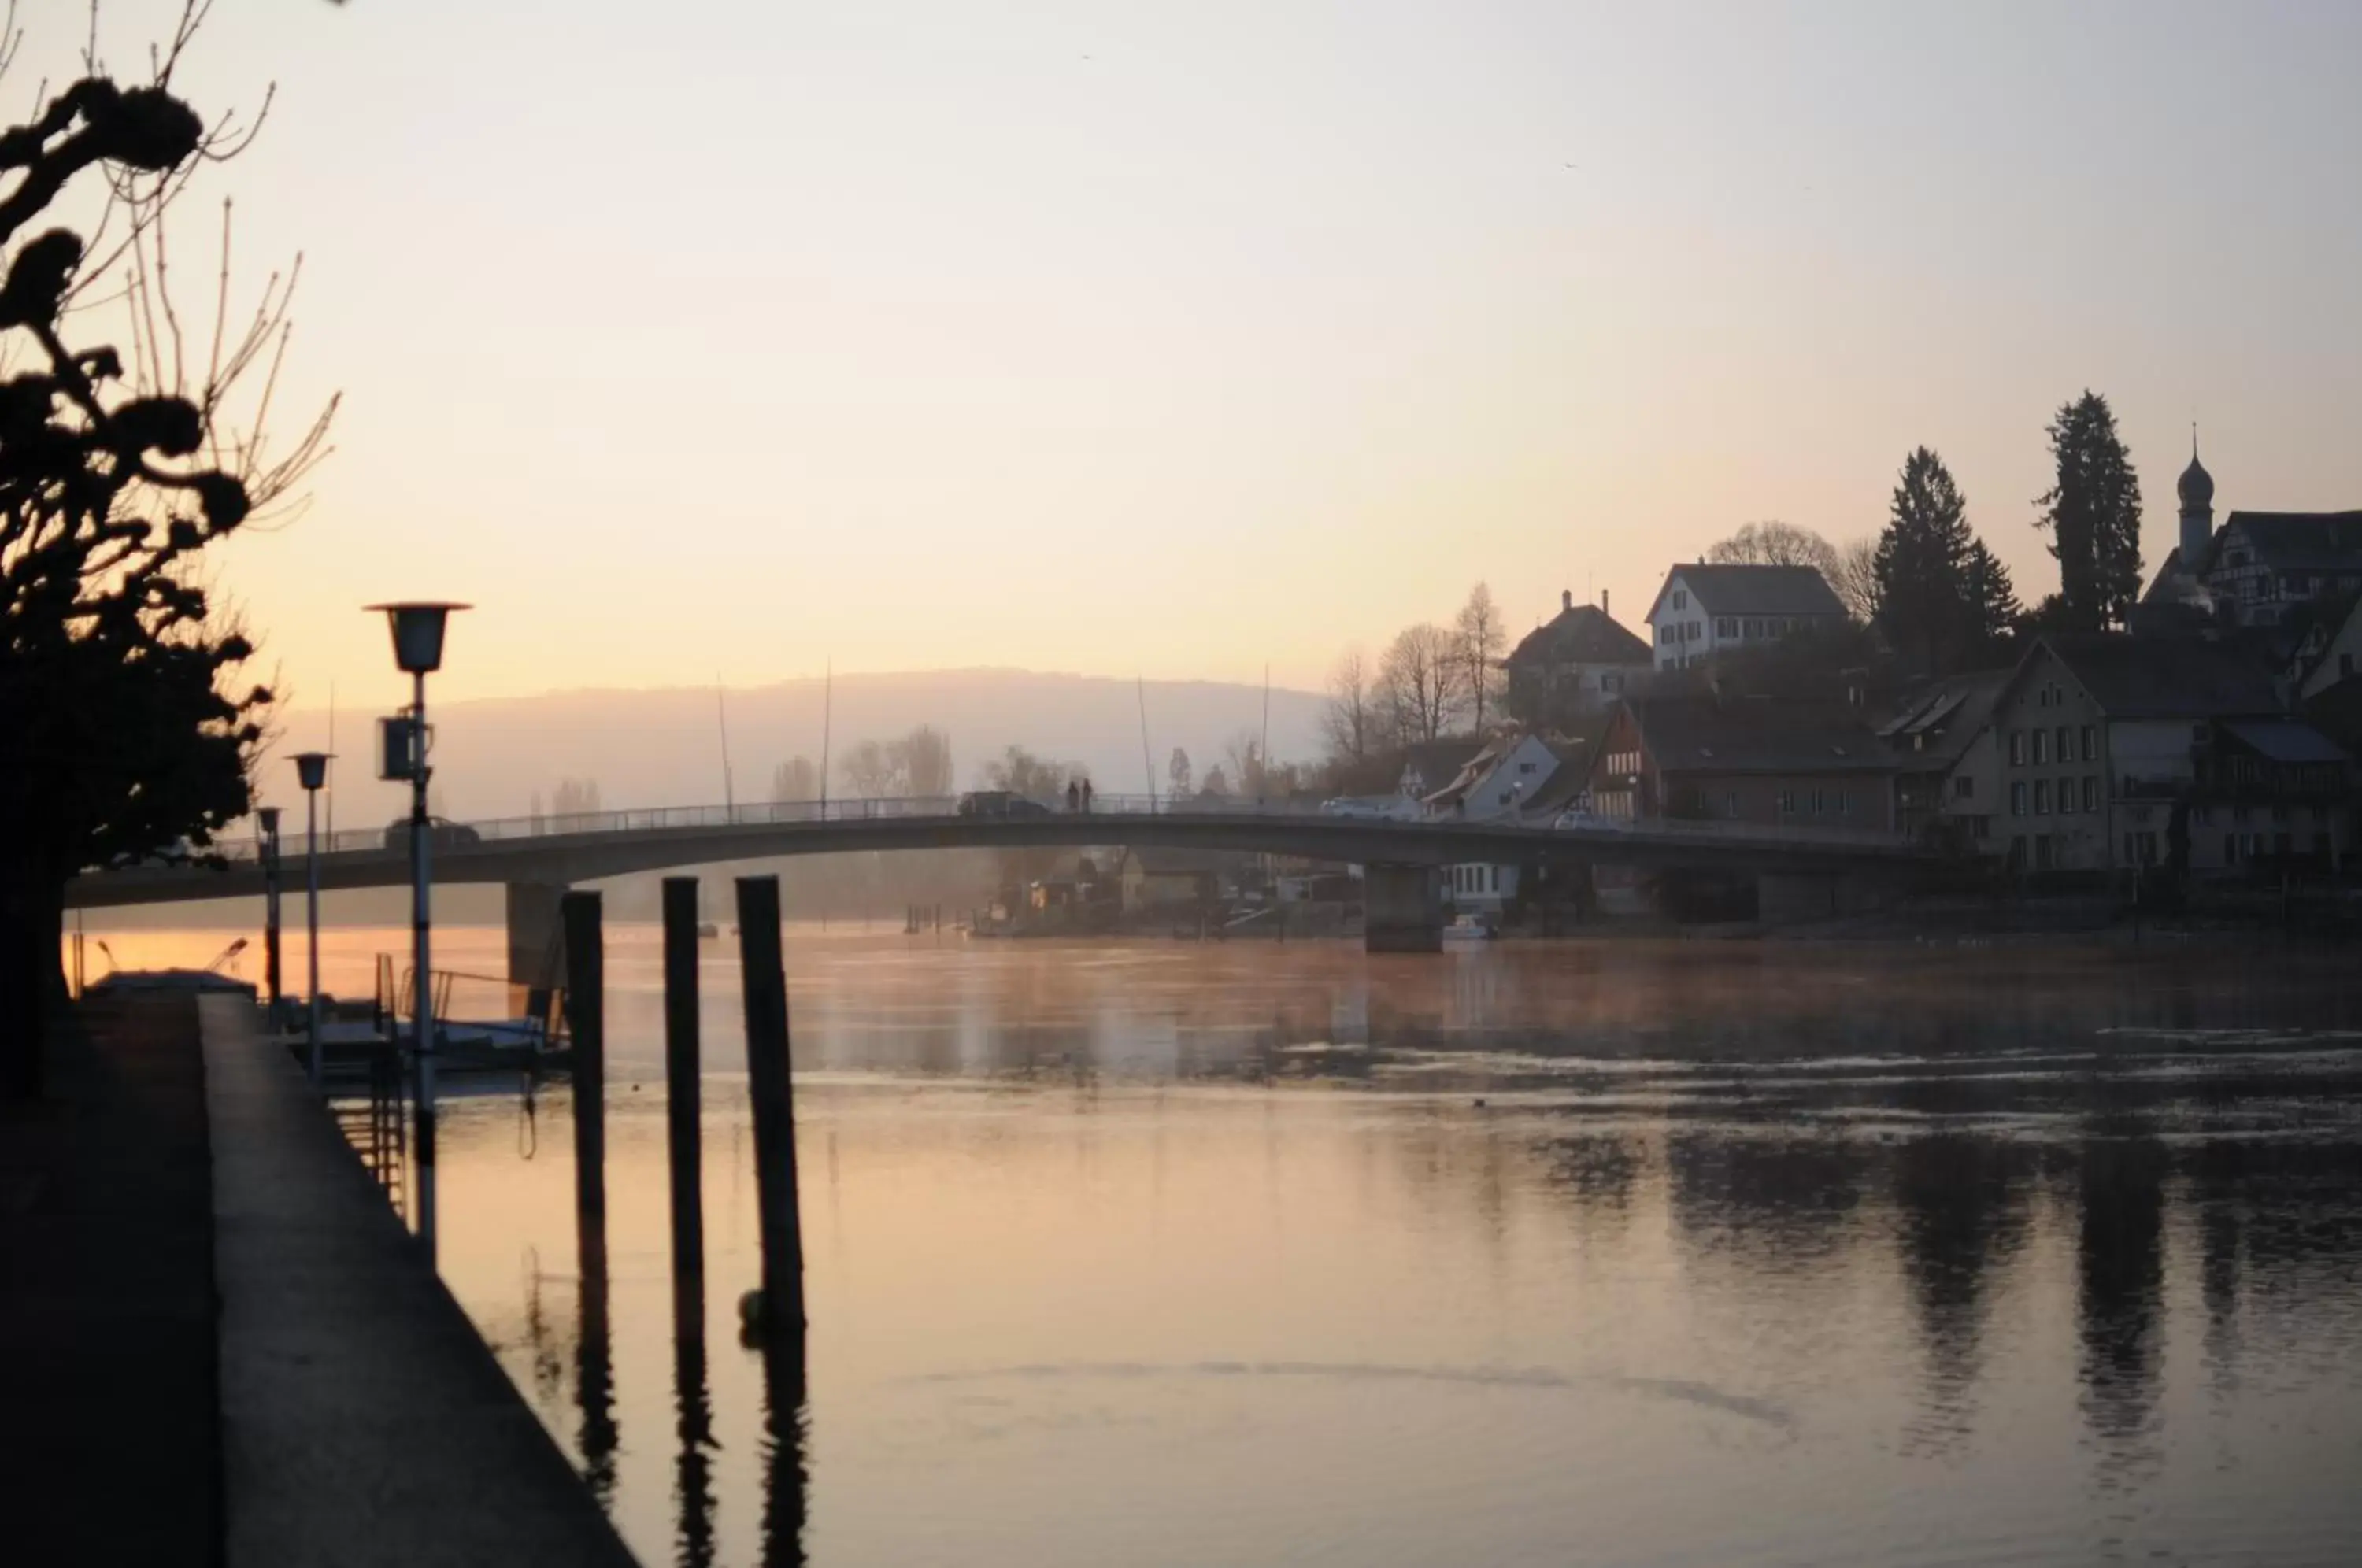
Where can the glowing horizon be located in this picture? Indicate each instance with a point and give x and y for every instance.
(739, 340)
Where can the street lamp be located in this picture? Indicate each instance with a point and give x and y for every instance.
(417, 629)
(312, 771)
(267, 819)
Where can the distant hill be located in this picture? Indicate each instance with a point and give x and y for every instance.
(663, 747)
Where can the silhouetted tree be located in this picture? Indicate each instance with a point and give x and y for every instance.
(1773, 543)
(1994, 609)
(1418, 685)
(1478, 641)
(867, 771)
(2092, 515)
(1351, 723)
(921, 763)
(574, 798)
(1923, 564)
(795, 780)
(1855, 580)
(1177, 775)
(120, 733)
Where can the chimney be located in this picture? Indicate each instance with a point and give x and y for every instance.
(1603, 602)
(1566, 599)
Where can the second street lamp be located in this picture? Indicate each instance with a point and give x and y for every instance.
(417, 628)
(267, 820)
(312, 771)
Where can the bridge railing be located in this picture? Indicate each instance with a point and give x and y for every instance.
(395, 835)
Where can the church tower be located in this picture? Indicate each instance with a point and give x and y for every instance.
(2197, 490)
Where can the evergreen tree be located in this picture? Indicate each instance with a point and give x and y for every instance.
(2092, 515)
(1994, 609)
(1922, 565)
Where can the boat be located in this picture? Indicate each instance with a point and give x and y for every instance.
(708, 931)
(1470, 928)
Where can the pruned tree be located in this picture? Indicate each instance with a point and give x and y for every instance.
(1178, 776)
(121, 728)
(2091, 512)
(1775, 543)
(1351, 723)
(794, 781)
(1418, 684)
(1479, 639)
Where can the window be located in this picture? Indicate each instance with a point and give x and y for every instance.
(1724, 628)
(2200, 816)
(2041, 745)
(2017, 748)
(1754, 626)
(2018, 800)
(2090, 743)
(2042, 797)
(1680, 599)
(1787, 803)
(1730, 805)
(2066, 743)
(1525, 768)
(1845, 803)
(1964, 787)
(2017, 853)
(1611, 682)
(2090, 794)
(1816, 803)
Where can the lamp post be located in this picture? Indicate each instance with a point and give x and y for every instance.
(312, 771)
(417, 631)
(266, 819)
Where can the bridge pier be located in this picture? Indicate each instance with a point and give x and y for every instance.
(1402, 909)
(536, 954)
(1790, 897)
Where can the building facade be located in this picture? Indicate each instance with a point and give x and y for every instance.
(1754, 760)
(1706, 609)
(1575, 665)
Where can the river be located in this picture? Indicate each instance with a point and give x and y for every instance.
(1682, 1253)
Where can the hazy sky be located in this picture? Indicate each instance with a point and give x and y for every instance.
(733, 335)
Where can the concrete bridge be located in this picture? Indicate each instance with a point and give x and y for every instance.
(536, 858)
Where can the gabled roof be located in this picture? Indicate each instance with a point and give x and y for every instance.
(1439, 762)
(2163, 678)
(1581, 634)
(1936, 725)
(2298, 540)
(1574, 750)
(1487, 761)
(1753, 591)
(2285, 740)
(1702, 733)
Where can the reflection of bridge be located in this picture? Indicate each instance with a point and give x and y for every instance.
(537, 857)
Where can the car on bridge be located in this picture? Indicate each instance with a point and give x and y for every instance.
(1373, 808)
(1000, 804)
(1575, 817)
(441, 833)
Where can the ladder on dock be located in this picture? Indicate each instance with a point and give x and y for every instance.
(378, 1126)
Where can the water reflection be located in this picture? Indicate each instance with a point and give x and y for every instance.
(1695, 1259)
(595, 1383)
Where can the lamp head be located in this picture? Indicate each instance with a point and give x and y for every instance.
(417, 630)
(312, 768)
(268, 816)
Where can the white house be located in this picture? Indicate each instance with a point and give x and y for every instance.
(1704, 609)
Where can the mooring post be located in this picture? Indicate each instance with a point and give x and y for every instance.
(771, 1085)
(683, 1087)
(586, 1018)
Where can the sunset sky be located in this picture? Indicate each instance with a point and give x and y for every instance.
(730, 337)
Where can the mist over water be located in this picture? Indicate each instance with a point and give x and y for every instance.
(1683, 1253)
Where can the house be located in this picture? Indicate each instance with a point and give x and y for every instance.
(1575, 664)
(2338, 658)
(2259, 566)
(1705, 610)
(1948, 764)
(1431, 765)
(1497, 781)
(1155, 879)
(1764, 760)
(2102, 737)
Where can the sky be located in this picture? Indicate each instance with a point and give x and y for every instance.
(733, 338)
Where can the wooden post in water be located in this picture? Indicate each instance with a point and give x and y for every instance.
(586, 1018)
(771, 1085)
(683, 1085)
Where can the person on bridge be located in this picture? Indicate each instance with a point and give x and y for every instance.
(1074, 797)
(1087, 797)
